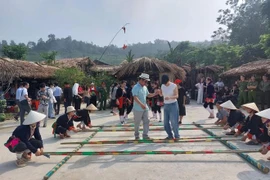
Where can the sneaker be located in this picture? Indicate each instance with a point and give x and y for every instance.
(147, 138)
(44, 125)
(137, 138)
(177, 139)
(168, 138)
(122, 122)
(160, 120)
(21, 162)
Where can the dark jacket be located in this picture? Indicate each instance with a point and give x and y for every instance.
(83, 115)
(253, 124)
(67, 94)
(64, 122)
(234, 117)
(23, 132)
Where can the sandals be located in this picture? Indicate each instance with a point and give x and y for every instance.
(252, 143)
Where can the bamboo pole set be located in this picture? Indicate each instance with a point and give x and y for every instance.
(246, 157)
(63, 161)
(152, 141)
(151, 124)
(153, 129)
(104, 153)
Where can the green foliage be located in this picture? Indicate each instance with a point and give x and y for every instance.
(129, 56)
(70, 75)
(14, 51)
(265, 43)
(244, 22)
(49, 56)
(3, 105)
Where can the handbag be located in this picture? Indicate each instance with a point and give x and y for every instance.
(12, 143)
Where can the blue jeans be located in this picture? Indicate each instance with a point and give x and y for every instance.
(51, 110)
(171, 115)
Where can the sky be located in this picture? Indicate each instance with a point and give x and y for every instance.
(98, 21)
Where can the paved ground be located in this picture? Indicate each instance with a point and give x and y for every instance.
(143, 167)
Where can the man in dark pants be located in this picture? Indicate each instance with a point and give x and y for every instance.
(265, 92)
(67, 95)
(24, 102)
(57, 94)
(18, 96)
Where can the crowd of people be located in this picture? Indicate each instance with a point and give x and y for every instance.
(140, 97)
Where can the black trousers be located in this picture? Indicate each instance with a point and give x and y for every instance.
(66, 104)
(156, 108)
(122, 110)
(211, 105)
(129, 108)
(265, 99)
(57, 104)
(60, 130)
(77, 102)
(93, 100)
(22, 146)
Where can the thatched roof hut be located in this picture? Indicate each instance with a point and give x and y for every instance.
(85, 64)
(256, 67)
(25, 69)
(155, 67)
(210, 69)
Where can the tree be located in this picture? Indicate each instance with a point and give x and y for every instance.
(265, 44)
(14, 51)
(49, 56)
(243, 22)
(129, 56)
(70, 75)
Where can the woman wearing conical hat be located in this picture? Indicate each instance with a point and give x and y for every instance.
(26, 139)
(265, 136)
(235, 117)
(64, 123)
(83, 116)
(251, 126)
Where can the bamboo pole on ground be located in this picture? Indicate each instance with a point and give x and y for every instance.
(63, 161)
(104, 153)
(246, 157)
(154, 129)
(152, 141)
(151, 124)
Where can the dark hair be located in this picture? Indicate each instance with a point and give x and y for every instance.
(24, 83)
(50, 84)
(66, 83)
(123, 81)
(56, 83)
(42, 85)
(164, 79)
(181, 84)
(219, 102)
(20, 84)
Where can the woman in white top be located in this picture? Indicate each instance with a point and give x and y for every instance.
(200, 87)
(169, 91)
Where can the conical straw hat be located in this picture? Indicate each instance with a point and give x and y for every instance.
(91, 107)
(252, 106)
(264, 113)
(33, 117)
(228, 105)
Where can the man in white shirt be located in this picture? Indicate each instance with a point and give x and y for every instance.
(24, 101)
(18, 96)
(57, 93)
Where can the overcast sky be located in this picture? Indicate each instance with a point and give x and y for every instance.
(97, 21)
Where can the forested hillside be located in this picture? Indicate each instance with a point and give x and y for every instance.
(243, 36)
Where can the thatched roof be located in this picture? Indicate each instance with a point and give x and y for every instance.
(25, 69)
(210, 68)
(151, 66)
(97, 62)
(186, 67)
(256, 67)
(81, 63)
(123, 63)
